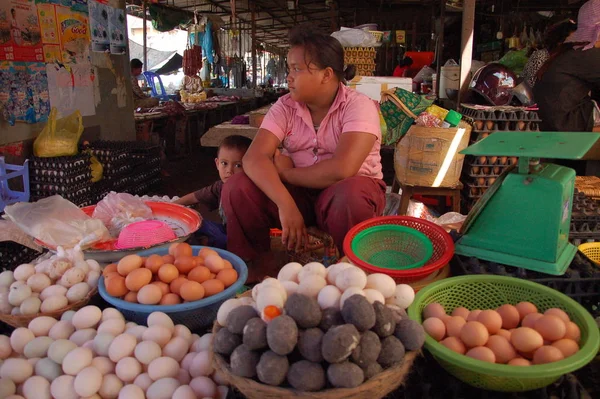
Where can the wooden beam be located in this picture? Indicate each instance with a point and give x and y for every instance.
(466, 53)
(440, 47)
(145, 38)
(253, 36)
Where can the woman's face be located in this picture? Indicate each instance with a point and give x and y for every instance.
(303, 80)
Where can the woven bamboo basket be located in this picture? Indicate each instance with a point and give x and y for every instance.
(23, 320)
(377, 387)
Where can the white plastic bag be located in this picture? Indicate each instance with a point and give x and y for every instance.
(355, 38)
(56, 221)
(117, 210)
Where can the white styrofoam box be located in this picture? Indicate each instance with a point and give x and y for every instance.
(372, 86)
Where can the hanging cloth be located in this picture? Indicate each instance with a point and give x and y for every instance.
(165, 19)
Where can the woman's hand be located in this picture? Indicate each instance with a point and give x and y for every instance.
(282, 163)
(294, 231)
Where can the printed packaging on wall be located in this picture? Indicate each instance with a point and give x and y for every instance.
(74, 35)
(99, 30)
(71, 87)
(20, 35)
(116, 29)
(24, 92)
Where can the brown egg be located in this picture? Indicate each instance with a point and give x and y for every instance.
(503, 160)
(454, 325)
(481, 181)
(461, 312)
(153, 263)
(112, 274)
(214, 263)
(530, 319)
(164, 287)
(130, 297)
(199, 274)
(129, 263)
(502, 348)
(192, 291)
(558, 312)
(204, 252)
(573, 332)
(519, 361)
(115, 285)
(473, 315)
(485, 170)
(504, 333)
(547, 354)
(176, 284)
(212, 287)
(212, 276)
(482, 160)
(182, 249)
(482, 353)
(491, 181)
(474, 334)
(172, 249)
(227, 276)
(526, 339)
(199, 260)
(489, 125)
(185, 263)
(455, 345)
(568, 347)
(168, 273)
(475, 170)
(434, 310)
(514, 160)
(170, 299)
(227, 264)
(138, 278)
(491, 320)
(435, 328)
(510, 316)
(112, 268)
(478, 125)
(527, 355)
(149, 295)
(550, 327)
(168, 259)
(493, 160)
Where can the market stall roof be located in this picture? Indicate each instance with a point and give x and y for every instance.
(161, 62)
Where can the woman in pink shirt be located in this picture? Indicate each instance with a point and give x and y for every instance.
(329, 171)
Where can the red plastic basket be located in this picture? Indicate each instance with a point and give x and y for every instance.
(443, 247)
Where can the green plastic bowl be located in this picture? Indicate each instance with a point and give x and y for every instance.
(392, 247)
(490, 292)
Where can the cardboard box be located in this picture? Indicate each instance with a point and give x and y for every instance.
(429, 157)
(372, 86)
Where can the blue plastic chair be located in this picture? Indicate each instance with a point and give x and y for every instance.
(7, 171)
(155, 83)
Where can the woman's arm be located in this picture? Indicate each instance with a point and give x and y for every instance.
(352, 150)
(188, 199)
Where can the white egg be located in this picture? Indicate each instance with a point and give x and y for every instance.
(77, 292)
(143, 381)
(68, 315)
(351, 277)
(348, 293)
(16, 311)
(201, 365)
(291, 287)
(102, 342)
(80, 337)
(270, 296)
(127, 369)
(112, 313)
(163, 367)
(59, 349)
(219, 377)
(329, 297)
(48, 369)
(184, 392)
(159, 334)
(104, 365)
(94, 266)
(92, 279)
(160, 319)
(136, 331)
(5, 306)
(311, 284)
(7, 388)
(225, 308)
(289, 272)
(112, 326)
(76, 360)
(33, 361)
(131, 392)
(36, 387)
(5, 348)
(87, 317)
(53, 290)
(16, 369)
(183, 332)
(404, 295)
(147, 351)
(23, 272)
(63, 387)
(382, 283)
(183, 376)
(61, 330)
(374, 296)
(247, 301)
(88, 381)
(38, 282)
(18, 294)
(38, 347)
(111, 385)
(334, 270)
(71, 277)
(7, 277)
(30, 306)
(41, 325)
(312, 268)
(204, 387)
(187, 360)
(54, 302)
(122, 346)
(162, 389)
(176, 348)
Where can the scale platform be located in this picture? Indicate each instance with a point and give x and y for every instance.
(524, 218)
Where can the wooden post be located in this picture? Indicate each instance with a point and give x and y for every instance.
(440, 47)
(145, 38)
(253, 7)
(333, 20)
(466, 54)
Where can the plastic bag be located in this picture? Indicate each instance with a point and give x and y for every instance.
(57, 222)
(515, 60)
(59, 137)
(424, 75)
(117, 210)
(355, 38)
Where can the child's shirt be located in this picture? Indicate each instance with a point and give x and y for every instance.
(210, 196)
(351, 111)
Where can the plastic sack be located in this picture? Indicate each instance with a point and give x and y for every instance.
(355, 38)
(57, 222)
(60, 137)
(515, 60)
(117, 210)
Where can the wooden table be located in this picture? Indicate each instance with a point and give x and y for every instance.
(215, 135)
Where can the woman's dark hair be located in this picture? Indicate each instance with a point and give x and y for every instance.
(558, 33)
(322, 50)
(406, 61)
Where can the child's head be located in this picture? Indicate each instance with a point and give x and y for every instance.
(230, 154)
(316, 64)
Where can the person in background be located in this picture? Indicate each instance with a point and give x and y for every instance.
(140, 99)
(555, 36)
(228, 162)
(402, 67)
(329, 172)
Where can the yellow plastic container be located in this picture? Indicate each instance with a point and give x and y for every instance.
(592, 251)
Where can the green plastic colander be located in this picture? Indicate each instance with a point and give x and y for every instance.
(490, 292)
(392, 247)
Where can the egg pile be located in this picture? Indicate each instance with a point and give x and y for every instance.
(170, 279)
(48, 286)
(97, 354)
(512, 334)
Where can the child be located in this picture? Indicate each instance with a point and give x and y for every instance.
(228, 162)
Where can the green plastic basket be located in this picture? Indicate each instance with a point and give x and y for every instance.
(392, 246)
(490, 292)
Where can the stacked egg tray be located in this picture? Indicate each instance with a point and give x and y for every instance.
(69, 177)
(585, 219)
(363, 58)
(480, 173)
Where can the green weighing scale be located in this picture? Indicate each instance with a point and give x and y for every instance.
(523, 219)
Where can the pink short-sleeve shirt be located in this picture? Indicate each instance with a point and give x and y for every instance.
(351, 111)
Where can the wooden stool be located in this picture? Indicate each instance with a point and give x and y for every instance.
(409, 191)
